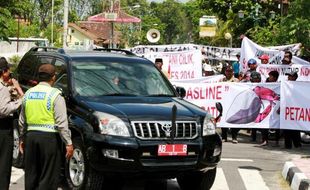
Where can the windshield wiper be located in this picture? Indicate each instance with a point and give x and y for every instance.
(118, 94)
(160, 95)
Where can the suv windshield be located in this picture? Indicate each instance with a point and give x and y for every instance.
(94, 77)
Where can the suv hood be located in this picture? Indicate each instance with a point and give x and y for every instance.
(146, 108)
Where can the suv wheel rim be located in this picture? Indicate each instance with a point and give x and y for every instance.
(77, 167)
(16, 144)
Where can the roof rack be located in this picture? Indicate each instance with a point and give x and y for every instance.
(45, 48)
(114, 50)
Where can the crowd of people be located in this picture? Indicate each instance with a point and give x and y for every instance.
(232, 73)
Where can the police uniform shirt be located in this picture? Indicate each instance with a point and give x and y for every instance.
(60, 113)
(7, 106)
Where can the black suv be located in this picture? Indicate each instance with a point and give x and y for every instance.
(127, 120)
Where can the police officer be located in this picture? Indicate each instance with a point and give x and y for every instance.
(7, 107)
(43, 120)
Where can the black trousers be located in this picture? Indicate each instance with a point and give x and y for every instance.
(292, 136)
(6, 152)
(234, 133)
(42, 160)
(264, 134)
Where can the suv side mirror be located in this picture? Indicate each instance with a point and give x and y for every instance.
(219, 107)
(181, 91)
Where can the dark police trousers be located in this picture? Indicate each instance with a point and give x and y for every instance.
(42, 160)
(6, 152)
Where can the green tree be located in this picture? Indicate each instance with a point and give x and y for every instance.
(171, 14)
(4, 15)
(295, 27)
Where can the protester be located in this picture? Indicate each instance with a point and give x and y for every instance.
(207, 70)
(273, 77)
(42, 119)
(229, 77)
(287, 59)
(225, 64)
(241, 76)
(292, 135)
(252, 64)
(236, 66)
(7, 107)
(255, 77)
(264, 59)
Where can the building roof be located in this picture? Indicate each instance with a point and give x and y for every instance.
(84, 32)
(99, 27)
(101, 30)
(120, 16)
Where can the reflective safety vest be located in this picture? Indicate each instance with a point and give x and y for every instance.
(39, 108)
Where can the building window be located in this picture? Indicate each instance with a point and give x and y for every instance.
(76, 43)
(72, 31)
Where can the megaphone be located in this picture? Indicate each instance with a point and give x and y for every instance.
(153, 35)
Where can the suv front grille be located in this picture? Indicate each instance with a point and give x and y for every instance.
(163, 130)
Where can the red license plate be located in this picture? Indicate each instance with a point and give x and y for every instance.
(172, 150)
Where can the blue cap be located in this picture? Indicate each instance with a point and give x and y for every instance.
(252, 61)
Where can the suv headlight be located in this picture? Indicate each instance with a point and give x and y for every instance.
(111, 125)
(209, 125)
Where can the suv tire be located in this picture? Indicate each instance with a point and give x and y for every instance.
(18, 158)
(79, 174)
(197, 180)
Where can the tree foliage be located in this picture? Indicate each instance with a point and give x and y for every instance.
(177, 22)
(4, 15)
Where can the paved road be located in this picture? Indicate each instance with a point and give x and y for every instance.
(244, 166)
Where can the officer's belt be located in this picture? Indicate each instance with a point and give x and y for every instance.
(44, 128)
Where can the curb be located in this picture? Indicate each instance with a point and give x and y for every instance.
(296, 179)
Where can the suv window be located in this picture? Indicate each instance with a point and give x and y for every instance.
(59, 66)
(62, 84)
(94, 77)
(27, 70)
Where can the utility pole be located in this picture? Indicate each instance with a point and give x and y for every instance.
(65, 32)
(112, 25)
(52, 26)
(17, 43)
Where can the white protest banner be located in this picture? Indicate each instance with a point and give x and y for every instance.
(204, 95)
(295, 107)
(250, 105)
(180, 64)
(294, 48)
(207, 79)
(251, 50)
(143, 49)
(303, 71)
(209, 52)
(245, 105)
(219, 53)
